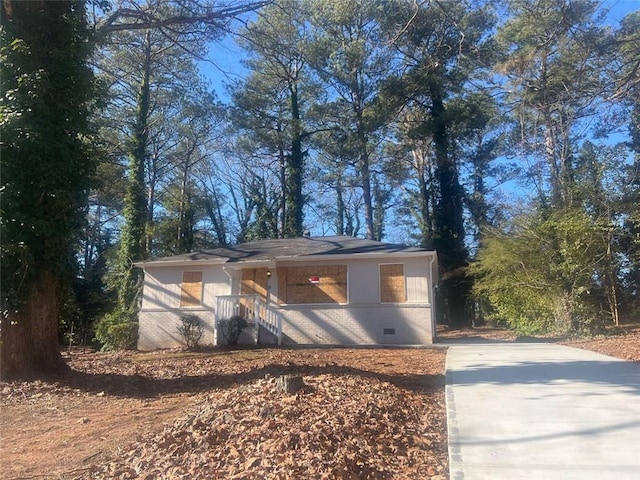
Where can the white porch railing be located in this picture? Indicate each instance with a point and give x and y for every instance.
(253, 309)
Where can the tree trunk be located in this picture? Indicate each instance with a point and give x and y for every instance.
(29, 341)
(284, 187)
(610, 283)
(365, 177)
(183, 225)
(340, 208)
(379, 210)
(449, 223)
(364, 167)
(45, 166)
(133, 237)
(425, 198)
(449, 219)
(295, 167)
(214, 211)
(151, 201)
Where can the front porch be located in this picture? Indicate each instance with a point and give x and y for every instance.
(265, 319)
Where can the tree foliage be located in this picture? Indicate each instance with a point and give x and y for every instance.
(159, 119)
(276, 41)
(46, 167)
(415, 111)
(47, 87)
(554, 64)
(540, 277)
(349, 54)
(270, 106)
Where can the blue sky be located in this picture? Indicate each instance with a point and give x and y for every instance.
(224, 65)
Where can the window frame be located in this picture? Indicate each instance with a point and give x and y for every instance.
(404, 283)
(185, 294)
(283, 294)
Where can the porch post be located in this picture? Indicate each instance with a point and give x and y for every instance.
(256, 317)
(279, 327)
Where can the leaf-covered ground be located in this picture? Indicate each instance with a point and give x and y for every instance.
(621, 342)
(364, 413)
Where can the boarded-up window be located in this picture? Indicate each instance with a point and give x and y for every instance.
(308, 284)
(392, 284)
(191, 289)
(254, 282)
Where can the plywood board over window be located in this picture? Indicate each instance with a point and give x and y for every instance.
(191, 289)
(254, 282)
(392, 283)
(309, 284)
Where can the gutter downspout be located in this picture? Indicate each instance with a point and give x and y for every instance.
(432, 297)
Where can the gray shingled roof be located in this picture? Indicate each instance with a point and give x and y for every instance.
(277, 249)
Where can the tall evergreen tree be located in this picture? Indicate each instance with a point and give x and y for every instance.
(276, 42)
(46, 87)
(132, 238)
(627, 83)
(554, 68)
(154, 83)
(271, 101)
(557, 60)
(442, 46)
(352, 58)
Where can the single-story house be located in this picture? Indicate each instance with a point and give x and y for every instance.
(335, 290)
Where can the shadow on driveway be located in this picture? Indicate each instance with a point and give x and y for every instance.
(541, 411)
(618, 373)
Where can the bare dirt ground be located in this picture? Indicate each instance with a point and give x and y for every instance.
(364, 413)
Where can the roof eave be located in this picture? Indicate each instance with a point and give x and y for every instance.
(363, 255)
(284, 258)
(180, 262)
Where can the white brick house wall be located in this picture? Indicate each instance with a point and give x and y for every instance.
(408, 324)
(159, 328)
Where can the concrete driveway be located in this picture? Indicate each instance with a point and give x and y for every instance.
(541, 411)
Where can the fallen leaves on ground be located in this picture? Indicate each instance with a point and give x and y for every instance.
(339, 427)
(364, 413)
(621, 342)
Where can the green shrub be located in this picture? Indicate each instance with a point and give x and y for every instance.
(231, 328)
(538, 276)
(191, 328)
(117, 331)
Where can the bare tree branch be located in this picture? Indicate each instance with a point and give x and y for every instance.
(133, 19)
